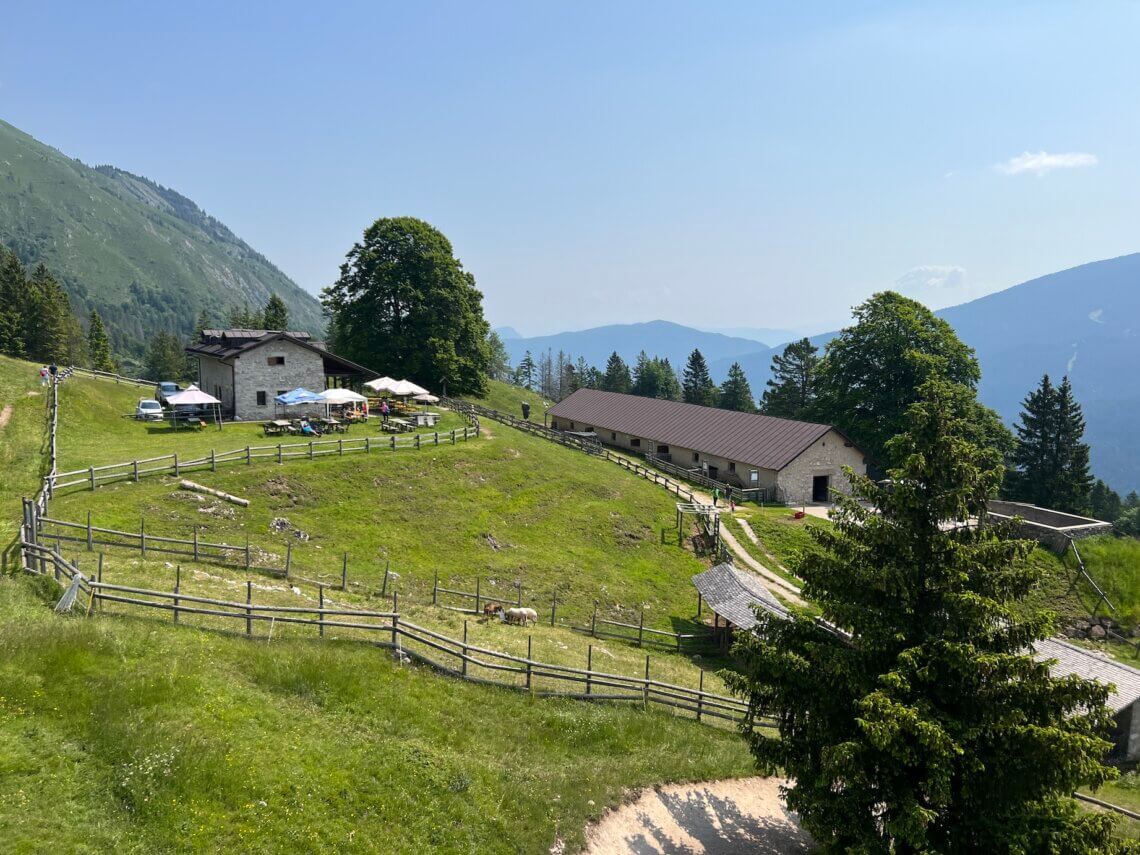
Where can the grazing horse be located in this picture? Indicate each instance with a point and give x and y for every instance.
(522, 616)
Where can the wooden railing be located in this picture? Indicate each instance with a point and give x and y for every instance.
(108, 375)
(729, 491)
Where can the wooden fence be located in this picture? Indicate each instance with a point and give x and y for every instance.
(107, 375)
(172, 464)
(729, 491)
(641, 635)
(387, 629)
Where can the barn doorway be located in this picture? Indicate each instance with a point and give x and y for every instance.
(820, 485)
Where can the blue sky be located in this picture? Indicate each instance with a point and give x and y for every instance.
(728, 164)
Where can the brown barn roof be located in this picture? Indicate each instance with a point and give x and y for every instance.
(763, 441)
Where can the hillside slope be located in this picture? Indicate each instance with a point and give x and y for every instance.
(145, 256)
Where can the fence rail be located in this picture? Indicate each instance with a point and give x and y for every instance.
(729, 491)
(133, 470)
(392, 631)
(108, 375)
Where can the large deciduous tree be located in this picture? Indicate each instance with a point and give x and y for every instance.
(927, 728)
(1051, 461)
(697, 386)
(735, 393)
(404, 305)
(498, 360)
(792, 387)
(872, 372)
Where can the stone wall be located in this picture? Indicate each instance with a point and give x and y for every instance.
(826, 456)
(253, 374)
(216, 378)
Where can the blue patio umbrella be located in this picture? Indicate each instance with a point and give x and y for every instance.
(298, 396)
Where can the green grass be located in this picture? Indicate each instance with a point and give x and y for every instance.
(780, 533)
(507, 398)
(1114, 562)
(22, 440)
(126, 735)
(505, 507)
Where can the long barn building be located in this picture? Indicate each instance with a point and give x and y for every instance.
(791, 461)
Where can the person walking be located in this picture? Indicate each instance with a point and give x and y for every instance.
(44, 376)
(384, 410)
(716, 496)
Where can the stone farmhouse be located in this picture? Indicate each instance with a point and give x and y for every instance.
(247, 369)
(791, 461)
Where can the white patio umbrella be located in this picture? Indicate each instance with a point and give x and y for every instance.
(337, 397)
(427, 398)
(382, 384)
(406, 388)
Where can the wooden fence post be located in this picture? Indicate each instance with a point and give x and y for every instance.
(589, 668)
(395, 618)
(641, 628)
(278, 452)
(477, 579)
(142, 535)
(177, 586)
(453, 436)
(367, 444)
(344, 573)
(340, 447)
(437, 437)
(465, 648)
(553, 607)
(594, 621)
(55, 559)
(248, 456)
(417, 440)
(136, 465)
(645, 691)
(176, 464)
(195, 542)
(700, 604)
(700, 694)
(248, 607)
(321, 613)
(288, 557)
(310, 449)
(529, 639)
(247, 557)
(91, 476)
(384, 587)
(99, 573)
(89, 531)
(213, 461)
(393, 439)
(435, 590)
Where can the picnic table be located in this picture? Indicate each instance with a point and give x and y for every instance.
(396, 425)
(332, 426)
(277, 427)
(422, 418)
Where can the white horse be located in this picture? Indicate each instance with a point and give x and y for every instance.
(521, 616)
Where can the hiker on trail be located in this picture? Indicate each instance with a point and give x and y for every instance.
(44, 376)
(53, 369)
(716, 495)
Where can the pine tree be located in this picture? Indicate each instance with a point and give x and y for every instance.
(13, 296)
(735, 393)
(50, 328)
(698, 387)
(617, 378)
(243, 318)
(202, 324)
(792, 387)
(668, 386)
(1050, 462)
(1104, 502)
(165, 358)
(276, 314)
(928, 728)
(644, 382)
(98, 345)
(524, 374)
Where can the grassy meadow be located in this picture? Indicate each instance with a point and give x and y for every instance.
(131, 736)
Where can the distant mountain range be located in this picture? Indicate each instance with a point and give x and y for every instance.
(1084, 322)
(145, 256)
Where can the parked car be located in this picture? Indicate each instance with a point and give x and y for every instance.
(165, 389)
(148, 411)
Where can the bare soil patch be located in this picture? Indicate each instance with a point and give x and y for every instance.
(713, 817)
(5, 415)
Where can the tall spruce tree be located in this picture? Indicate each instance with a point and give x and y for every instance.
(668, 386)
(404, 305)
(98, 345)
(202, 324)
(644, 381)
(165, 358)
(735, 393)
(276, 314)
(1050, 464)
(617, 377)
(698, 386)
(1104, 502)
(792, 387)
(524, 374)
(928, 728)
(13, 297)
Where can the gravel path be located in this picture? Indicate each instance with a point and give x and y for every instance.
(714, 817)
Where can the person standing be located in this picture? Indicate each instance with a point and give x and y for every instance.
(384, 410)
(44, 375)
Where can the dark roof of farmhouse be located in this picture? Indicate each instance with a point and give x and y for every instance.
(733, 594)
(228, 344)
(766, 442)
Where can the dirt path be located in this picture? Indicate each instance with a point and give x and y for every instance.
(714, 817)
(787, 590)
(5, 415)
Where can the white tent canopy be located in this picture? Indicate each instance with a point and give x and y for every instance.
(191, 395)
(397, 388)
(381, 384)
(342, 396)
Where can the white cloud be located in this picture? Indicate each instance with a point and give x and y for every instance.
(1041, 162)
(931, 277)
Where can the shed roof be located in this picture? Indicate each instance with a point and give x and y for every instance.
(766, 442)
(1071, 659)
(732, 594)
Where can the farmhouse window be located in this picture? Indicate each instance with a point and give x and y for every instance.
(276, 360)
(731, 466)
(753, 476)
(662, 449)
(282, 391)
(261, 399)
(696, 457)
(613, 436)
(635, 442)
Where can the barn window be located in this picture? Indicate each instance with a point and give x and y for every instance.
(276, 360)
(731, 466)
(613, 436)
(753, 475)
(261, 399)
(635, 442)
(696, 457)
